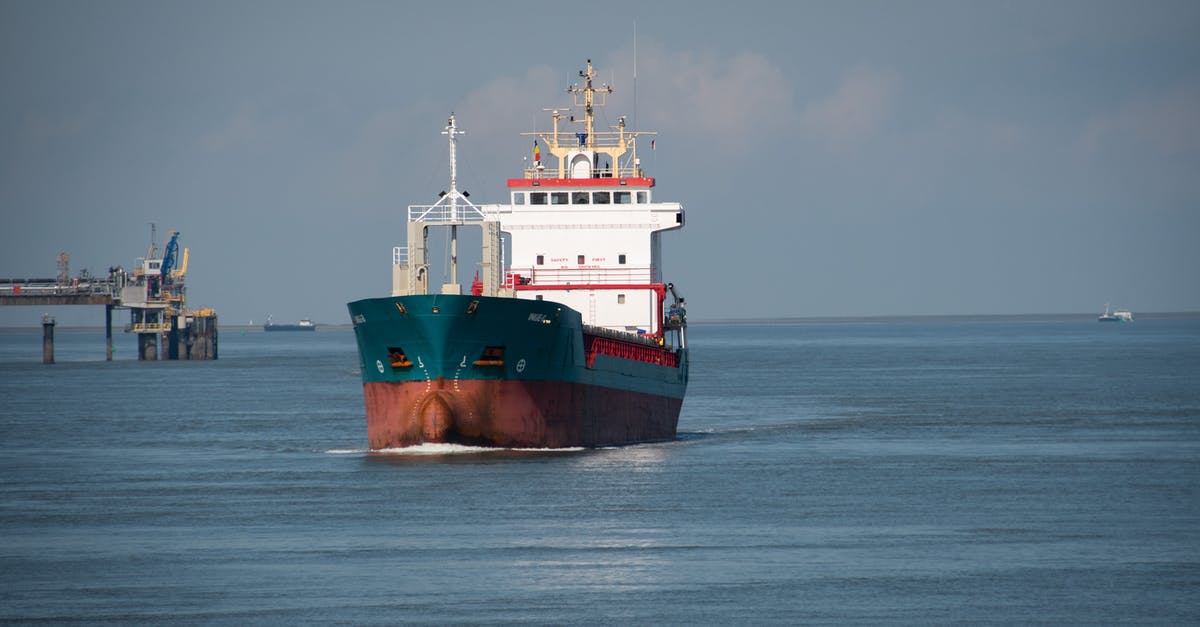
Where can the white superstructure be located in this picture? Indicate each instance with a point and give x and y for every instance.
(584, 230)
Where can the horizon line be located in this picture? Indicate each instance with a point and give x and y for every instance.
(873, 318)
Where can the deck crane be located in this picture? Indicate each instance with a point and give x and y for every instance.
(169, 258)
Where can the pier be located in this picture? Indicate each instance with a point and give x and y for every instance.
(47, 339)
(154, 293)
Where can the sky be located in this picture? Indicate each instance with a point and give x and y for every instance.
(834, 158)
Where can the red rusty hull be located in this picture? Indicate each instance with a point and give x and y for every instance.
(514, 414)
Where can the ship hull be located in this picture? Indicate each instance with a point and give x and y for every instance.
(515, 414)
(507, 372)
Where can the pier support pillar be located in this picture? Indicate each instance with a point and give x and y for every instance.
(147, 346)
(202, 337)
(108, 332)
(180, 335)
(47, 340)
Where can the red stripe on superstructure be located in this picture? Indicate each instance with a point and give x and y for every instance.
(594, 286)
(645, 181)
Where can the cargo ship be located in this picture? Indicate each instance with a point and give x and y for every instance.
(565, 337)
(304, 325)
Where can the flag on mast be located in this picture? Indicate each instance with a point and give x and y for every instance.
(537, 152)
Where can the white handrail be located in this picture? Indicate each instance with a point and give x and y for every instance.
(446, 213)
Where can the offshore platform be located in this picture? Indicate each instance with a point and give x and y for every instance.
(154, 292)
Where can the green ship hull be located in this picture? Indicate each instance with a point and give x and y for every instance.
(508, 372)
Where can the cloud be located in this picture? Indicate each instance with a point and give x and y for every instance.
(1166, 123)
(731, 101)
(854, 112)
(244, 127)
(959, 133)
(495, 112)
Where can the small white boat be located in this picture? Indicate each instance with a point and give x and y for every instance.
(1120, 315)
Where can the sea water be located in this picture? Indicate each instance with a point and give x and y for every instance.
(993, 471)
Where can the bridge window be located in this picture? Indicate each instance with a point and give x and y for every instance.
(579, 198)
(621, 198)
(558, 198)
(518, 198)
(541, 260)
(537, 198)
(601, 198)
(621, 259)
(643, 197)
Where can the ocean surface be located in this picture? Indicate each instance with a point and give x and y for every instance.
(937, 471)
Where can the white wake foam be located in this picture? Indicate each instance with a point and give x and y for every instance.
(431, 448)
(447, 449)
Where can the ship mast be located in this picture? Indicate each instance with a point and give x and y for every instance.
(590, 143)
(410, 265)
(589, 99)
(453, 195)
(452, 133)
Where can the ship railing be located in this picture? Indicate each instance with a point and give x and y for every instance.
(448, 213)
(399, 255)
(614, 172)
(532, 277)
(619, 146)
(647, 339)
(622, 344)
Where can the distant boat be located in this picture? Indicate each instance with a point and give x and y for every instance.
(1120, 315)
(303, 325)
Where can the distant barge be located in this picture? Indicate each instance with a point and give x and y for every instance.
(303, 325)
